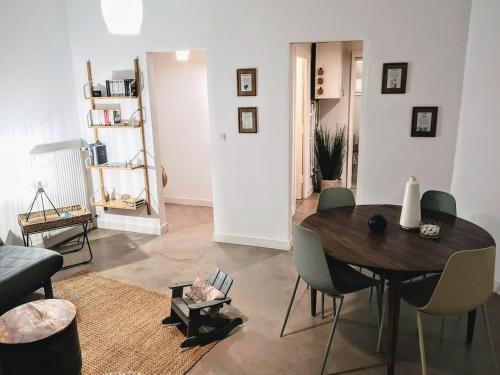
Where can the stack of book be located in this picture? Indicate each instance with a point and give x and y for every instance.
(134, 202)
(121, 87)
(105, 117)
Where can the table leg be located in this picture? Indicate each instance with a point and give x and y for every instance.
(313, 301)
(395, 281)
(471, 321)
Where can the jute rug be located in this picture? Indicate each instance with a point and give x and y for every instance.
(120, 328)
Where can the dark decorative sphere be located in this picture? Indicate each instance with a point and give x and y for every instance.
(377, 223)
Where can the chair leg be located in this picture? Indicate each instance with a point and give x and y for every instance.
(381, 327)
(290, 305)
(490, 338)
(334, 306)
(47, 289)
(421, 342)
(379, 304)
(371, 289)
(322, 305)
(332, 332)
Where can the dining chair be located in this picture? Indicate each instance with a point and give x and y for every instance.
(439, 201)
(465, 285)
(334, 198)
(333, 279)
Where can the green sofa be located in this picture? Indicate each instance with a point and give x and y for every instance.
(23, 270)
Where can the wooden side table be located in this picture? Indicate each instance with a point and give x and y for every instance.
(40, 338)
(44, 221)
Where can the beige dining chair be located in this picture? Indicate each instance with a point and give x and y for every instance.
(465, 285)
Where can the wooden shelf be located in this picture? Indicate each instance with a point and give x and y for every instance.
(116, 126)
(120, 168)
(111, 97)
(119, 206)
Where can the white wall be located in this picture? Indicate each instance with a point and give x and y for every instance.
(179, 97)
(476, 180)
(252, 173)
(36, 97)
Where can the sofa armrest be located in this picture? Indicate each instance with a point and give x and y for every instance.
(202, 305)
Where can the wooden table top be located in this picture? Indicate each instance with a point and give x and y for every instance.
(346, 236)
(35, 321)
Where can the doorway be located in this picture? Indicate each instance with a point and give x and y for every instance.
(179, 109)
(326, 94)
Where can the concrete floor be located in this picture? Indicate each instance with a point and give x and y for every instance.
(263, 284)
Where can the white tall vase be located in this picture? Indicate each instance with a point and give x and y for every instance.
(410, 213)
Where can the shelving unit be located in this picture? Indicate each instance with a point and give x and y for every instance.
(101, 168)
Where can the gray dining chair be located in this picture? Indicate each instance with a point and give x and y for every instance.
(332, 279)
(440, 201)
(465, 285)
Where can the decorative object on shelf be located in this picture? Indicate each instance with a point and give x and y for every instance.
(320, 91)
(320, 80)
(122, 17)
(430, 231)
(96, 93)
(377, 223)
(98, 154)
(247, 82)
(410, 213)
(247, 119)
(394, 78)
(424, 121)
(330, 149)
(105, 117)
(320, 71)
(124, 89)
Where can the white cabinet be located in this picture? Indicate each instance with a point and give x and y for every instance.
(328, 74)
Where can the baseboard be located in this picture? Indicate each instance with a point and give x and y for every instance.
(188, 201)
(496, 287)
(253, 241)
(130, 227)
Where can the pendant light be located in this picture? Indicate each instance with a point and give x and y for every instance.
(122, 17)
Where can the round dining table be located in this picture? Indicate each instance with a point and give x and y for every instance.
(393, 252)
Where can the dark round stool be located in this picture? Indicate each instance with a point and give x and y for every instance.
(40, 338)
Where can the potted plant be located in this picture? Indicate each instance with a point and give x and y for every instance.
(330, 148)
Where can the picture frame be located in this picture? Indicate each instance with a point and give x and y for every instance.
(247, 119)
(247, 81)
(394, 78)
(424, 121)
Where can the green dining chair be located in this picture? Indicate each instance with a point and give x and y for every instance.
(335, 197)
(465, 285)
(332, 279)
(439, 201)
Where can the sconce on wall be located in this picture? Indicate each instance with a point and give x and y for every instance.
(122, 17)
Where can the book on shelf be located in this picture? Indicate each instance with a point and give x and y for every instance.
(134, 202)
(121, 87)
(105, 117)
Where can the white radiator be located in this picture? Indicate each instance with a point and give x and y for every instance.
(61, 167)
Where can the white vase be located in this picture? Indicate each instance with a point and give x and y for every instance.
(327, 184)
(410, 213)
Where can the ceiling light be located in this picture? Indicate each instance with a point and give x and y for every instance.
(182, 55)
(122, 17)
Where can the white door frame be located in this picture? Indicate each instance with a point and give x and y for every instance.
(356, 54)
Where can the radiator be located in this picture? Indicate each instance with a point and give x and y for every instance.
(66, 181)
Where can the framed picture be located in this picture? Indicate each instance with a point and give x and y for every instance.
(247, 82)
(247, 119)
(424, 121)
(394, 78)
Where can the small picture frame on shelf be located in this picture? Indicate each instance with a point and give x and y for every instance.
(96, 93)
(247, 82)
(424, 121)
(247, 119)
(394, 78)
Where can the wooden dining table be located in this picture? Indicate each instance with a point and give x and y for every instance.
(394, 252)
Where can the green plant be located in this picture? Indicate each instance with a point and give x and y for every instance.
(330, 152)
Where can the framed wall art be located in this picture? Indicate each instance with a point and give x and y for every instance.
(394, 78)
(424, 120)
(247, 82)
(247, 119)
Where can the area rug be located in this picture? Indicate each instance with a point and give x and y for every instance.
(120, 328)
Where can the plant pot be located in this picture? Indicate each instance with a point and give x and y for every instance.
(327, 184)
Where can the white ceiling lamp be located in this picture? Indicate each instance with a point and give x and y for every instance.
(182, 55)
(122, 17)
